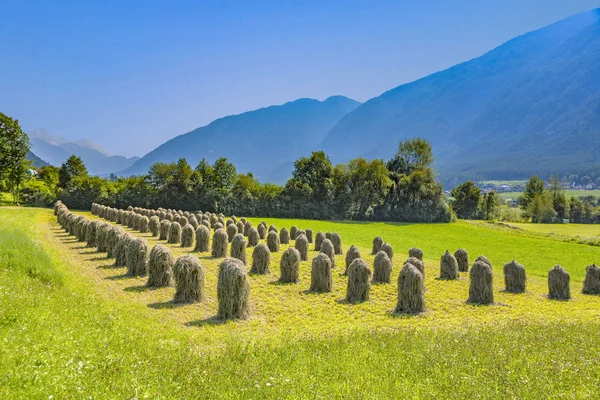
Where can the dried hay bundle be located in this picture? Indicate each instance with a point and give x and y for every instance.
(160, 266)
(302, 246)
(137, 257)
(382, 268)
(411, 291)
(321, 279)
(515, 277)
(233, 290)
(202, 239)
(261, 260)
(481, 288)
(188, 236)
(189, 280)
(327, 249)
(273, 242)
(290, 266)
(448, 267)
(238, 247)
(559, 284)
(219, 244)
(359, 281)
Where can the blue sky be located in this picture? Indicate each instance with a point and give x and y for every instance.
(132, 74)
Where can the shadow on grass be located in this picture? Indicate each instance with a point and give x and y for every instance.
(139, 288)
(166, 305)
(402, 315)
(119, 277)
(214, 320)
(90, 251)
(279, 283)
(98, 258)
(108, 266)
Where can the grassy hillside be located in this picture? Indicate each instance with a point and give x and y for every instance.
(575, 230)
(71, 325)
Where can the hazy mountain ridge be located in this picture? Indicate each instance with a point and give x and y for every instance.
(258, 141)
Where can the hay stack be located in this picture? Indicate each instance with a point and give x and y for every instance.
(336, 239)
(462, 258)
(481, 289)
(218, 226)
(219, 244)
(233, 290)
(309, 235)
(328, 250)
(416, 253)
(160, 266)
(382, 268)
(154, 226)
(388, 250)
(114, 235)
(202, 239)
(253, 237)
(183, 221)
(559, 287)
(319, 237)
(90, 235)
(302, 246)
(515, 277)
(213, 219)
(284, 236)
(591, 284)
(231, 231)
(293, 232)
(247, 226)
(120, 250)
(359, 281)
(83, 230)
(273, 228)
(174, 233)
(262, 231)
(290, 266)
(137, 257)
(144, 223)
(273, 241)
(238, 247)
(484, 259)
(351, 255)
(321, 279)
(206, 223)
(261, 260)
(165, 227)
(328, 235)
(416, 263)
(188, 236)
(229, 222)
(169, 217)
(193, 222)
(377, 243)
(240, 227)
(448, 267)
(411, 291)
(189, 280)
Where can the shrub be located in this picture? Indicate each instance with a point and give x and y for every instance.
(253, 237)
(515, 277)
(174, 233)
(261, 260)
(273, 242)
(154, 226)
(233, 290)
(160, 266)
(231, 231)
(188, 236)
(293, 232)
(144, 223)
(462, 258)
(411, 291)
(416, 253)
(189, 280)
(336, 239)
(321, 279)
(262, 231)
(591, 284)
(284, 236)
(238, 247)
(382, 268)
(137, 257)
(327, 249)
(388, 250)
(481, 288)
(165, 227)
(359, 281)
(319, 237)
(377, 243)
(302, 246)
(448, 267)
(202, 238)
(351, 255)
(290, 266)
(559, 287)
(219, 244)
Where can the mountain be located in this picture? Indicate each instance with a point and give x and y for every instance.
(531, 105)
(264, 142)
(56, 150)
(35, 160)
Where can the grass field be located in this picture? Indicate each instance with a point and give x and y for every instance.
(568, 194)
(574, 230)
(73, 326)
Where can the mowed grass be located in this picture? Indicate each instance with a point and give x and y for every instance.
(574, 230)
(567, 193)
(77, 327)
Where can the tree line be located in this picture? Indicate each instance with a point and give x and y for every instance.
(402, 189)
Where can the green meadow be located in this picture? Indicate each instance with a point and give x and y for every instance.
(74, 326)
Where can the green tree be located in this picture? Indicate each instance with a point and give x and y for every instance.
(541, 209)
(225, 174)
(585, 180)
(72, 168)
(559, 200)
(412, 154)
(466, 200)
(14, 146)
(489, 205)
(533, 188)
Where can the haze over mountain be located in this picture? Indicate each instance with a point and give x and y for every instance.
(264, 142)
(55, 150)
(531, 105)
